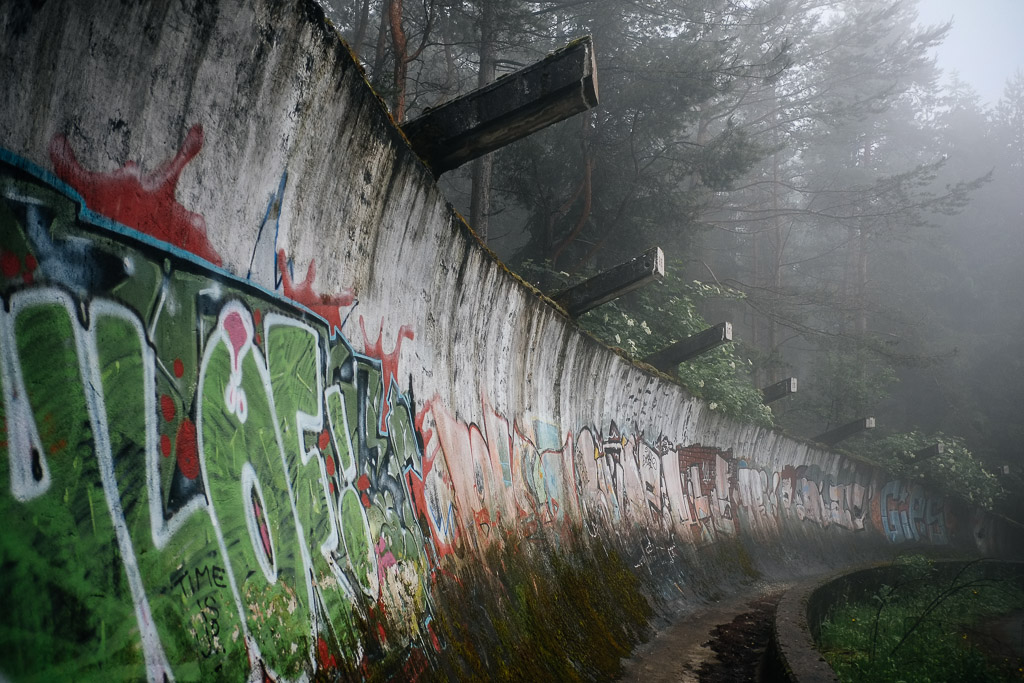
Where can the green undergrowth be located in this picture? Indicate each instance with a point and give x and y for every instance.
(925, 627)
(537, 610)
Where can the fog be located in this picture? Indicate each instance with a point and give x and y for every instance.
(984, 45)
(842, 181)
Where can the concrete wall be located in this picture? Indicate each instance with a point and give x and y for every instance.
(264, 393)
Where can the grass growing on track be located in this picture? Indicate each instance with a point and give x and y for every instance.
(924, 628)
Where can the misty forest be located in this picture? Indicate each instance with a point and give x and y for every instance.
(812, 176)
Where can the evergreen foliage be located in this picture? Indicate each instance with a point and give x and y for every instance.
(855, 216)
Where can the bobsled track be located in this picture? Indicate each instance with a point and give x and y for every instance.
(272, 412)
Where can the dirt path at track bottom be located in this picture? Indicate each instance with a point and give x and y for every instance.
(721, 643)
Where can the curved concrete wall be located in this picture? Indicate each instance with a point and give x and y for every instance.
(262, 387)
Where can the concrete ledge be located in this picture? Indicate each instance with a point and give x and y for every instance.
(802, 610)
(793, 648)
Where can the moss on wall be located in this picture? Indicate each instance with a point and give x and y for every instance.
(541, 609)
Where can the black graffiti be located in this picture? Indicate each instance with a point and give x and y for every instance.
(207, 576)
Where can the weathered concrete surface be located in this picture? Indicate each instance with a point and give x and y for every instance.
(683, 651)
(272, 412)
(794, 639)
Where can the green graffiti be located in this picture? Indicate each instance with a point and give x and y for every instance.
(342, 437)
(66, 603)
(249, 496)
(182, 497)
(293, 354)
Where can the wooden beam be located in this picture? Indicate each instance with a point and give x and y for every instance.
(668, 358)
(839, 433)
(510, 108)
(779, 390)
(612, 283)
(930, 451)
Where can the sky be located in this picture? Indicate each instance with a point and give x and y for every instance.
(986, 43)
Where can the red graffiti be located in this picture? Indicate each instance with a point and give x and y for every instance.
(416, 664)
(388, 363)
(187, 449)
(417, 482)
(12, 266)
(144, 202)
(363, 485)
(327, 660)
(482, 517)
(426, 433)
(261, 522)
(326, 306)
(167, 407)
(433, 637)
(237, 333)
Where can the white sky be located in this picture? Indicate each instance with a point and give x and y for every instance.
(986, 43)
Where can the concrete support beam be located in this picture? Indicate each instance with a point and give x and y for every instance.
(510, 108)
(613, 283)
(846, 431)
(930, 451)
(668, 358)
(779, 390)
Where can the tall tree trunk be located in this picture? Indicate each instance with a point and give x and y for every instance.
(586, 192)
(862, 282)
(398, 43)
(778, 247)
(849, 299)
(381, 48)
(755, 278)
(861, 264)
(480, 198)
(362, 22)
(451, 81)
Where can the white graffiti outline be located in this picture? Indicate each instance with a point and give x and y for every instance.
(157, 667)
(219, 336)
(310, 423)
(251, 483)
(22, 432)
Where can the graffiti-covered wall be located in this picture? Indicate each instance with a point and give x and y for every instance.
(262, 390)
